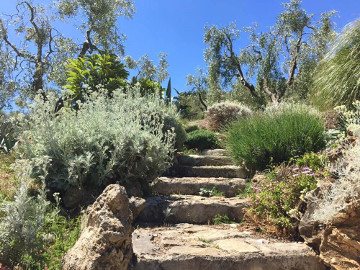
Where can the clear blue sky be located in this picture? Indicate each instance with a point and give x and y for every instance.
(176, 27)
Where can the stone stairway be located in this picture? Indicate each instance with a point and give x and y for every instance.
(174, 228)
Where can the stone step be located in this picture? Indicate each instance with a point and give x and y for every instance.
(228, 171)
(196, 247)
(215, 152)
(191, 209)
(192, 185)
(198, 160)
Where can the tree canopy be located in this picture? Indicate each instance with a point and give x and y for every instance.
(36, 59)
(275, 62)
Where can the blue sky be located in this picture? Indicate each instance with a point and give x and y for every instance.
(176, 27)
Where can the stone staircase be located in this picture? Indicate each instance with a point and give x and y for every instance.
(174, 229)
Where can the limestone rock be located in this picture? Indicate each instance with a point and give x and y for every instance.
(338, 240)
(137, 205)
(340, 245)
(105, 242)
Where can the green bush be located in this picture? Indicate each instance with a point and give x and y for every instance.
(201, 139)
(172, 122)
(106, 140)
(276, 135)
(191, 128)
(279, 199)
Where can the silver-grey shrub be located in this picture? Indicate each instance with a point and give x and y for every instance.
(220, 115)
(106, 140)
(23, 218)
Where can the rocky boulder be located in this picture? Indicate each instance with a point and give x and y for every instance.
(338, 240)
(105, 242)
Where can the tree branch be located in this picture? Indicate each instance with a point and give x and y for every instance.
(240, 74)
(293, 62)
(87, 45)
(202, 101)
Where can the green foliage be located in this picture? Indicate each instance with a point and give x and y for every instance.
(30, 37)
(172, 123)
(245, 192)
(220, 115)
(210, 192)
(221, 219)
(106, 140)
(279, 197)
(168, 93)
(312, 160)
(336, 78)
(189, 106)
(276, 135)
(92, 70)
(201, 139)
(60, 234)
(148, 87)
(190, 128)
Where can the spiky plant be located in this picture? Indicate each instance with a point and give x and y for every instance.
(337, 77)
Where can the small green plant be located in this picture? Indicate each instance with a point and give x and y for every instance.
(201, 139)
(276, 135)
(204, 240)
(279, 197)
(222, 219)
(313, 160)
(245, 192)
(206, 192)
(217, 246)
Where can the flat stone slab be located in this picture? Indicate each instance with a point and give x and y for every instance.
(192, 185)
(228, 171)
(195, 247)
(191, 209)
(214, 152)
(198, 160)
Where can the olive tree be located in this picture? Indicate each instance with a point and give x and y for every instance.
(40, 50)
(275, 62)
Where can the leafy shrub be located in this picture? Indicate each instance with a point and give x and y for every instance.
(191, 128)
(279, 198)
(106, 140)
(171, 122)
(276, 135)
(201, 139)
(222, 114)
(92, 70)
